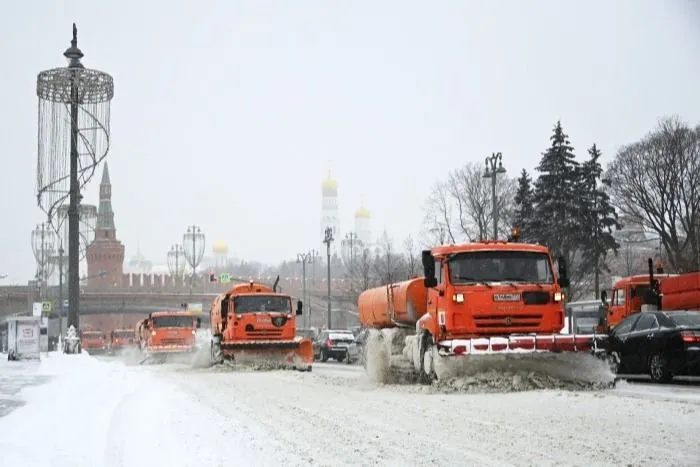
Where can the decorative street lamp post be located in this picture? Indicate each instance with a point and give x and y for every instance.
(328, 239)
(174, 265)
(491, 171)
(304, 259)
(73, 138)
(193, 245)
(43, 239)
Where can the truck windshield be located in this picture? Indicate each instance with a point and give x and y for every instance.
(258, 303)
(500, 265)
(173, 322)
(93, 335)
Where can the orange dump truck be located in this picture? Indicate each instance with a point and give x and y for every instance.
(665, 292)
(122, 339)
(253, 323)
(94, 341)
(166, 333)
(475, 303)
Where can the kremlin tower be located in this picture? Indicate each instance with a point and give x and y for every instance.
(105, 255)
(329, 210)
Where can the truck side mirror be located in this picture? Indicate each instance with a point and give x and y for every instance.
(428, 261)
(224, 308)
(603, 296)
(199, 323)
(563, 276)
(300, 308)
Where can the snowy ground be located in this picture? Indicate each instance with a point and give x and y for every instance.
(174, 415)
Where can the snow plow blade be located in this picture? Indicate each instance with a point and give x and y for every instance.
(500, 363)
(276, 354)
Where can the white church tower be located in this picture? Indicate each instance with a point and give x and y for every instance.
(329, 211)
(363, 226)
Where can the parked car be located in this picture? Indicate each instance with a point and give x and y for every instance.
(356, 349)
(333, 344)
(662, 344)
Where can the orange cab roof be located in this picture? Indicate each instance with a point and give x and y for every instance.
(445, 250)
(173, 313)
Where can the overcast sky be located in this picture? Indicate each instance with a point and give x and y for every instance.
(228, 114)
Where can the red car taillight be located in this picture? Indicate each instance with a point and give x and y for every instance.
(690, 337)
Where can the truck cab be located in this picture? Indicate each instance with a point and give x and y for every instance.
(492, 288)
(254, 312)
(94, 341)
(170, 331)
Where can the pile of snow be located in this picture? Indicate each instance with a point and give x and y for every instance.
(104, 413)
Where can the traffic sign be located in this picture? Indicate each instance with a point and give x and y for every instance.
(224, 278)
(45, 307)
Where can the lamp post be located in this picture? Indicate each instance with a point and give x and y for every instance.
(176, 252)
(43, 239)
(328, 239)
(193, 246)
(492, 170)
(350, 240)
(303, 259)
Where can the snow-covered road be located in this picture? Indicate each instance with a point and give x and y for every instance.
(177, 416)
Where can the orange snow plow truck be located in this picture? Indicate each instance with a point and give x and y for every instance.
(252, 323)
(167, 333)
(663, 292)
(491, 305)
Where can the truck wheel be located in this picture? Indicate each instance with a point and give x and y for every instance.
(427, 375)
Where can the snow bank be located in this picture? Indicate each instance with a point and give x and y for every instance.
(101, 413)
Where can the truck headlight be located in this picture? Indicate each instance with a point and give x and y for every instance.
(557, 296)
(458, 297)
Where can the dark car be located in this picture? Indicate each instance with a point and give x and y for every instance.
(333, 344)
(662, 344)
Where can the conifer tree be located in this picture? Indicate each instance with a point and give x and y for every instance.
(598, 218)
(524, 207)
(557, 203)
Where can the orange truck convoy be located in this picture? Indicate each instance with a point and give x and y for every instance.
(254, 323)
(165, 333)
(94, 341)
(664, 292)
(475, 303)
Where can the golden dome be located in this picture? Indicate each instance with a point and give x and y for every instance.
(362, 213)
(329, 187)
(220, 247)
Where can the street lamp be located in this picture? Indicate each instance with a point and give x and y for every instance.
(303, 259)
(193, 245)
(491, 172)
(350, 242)
(43, 239)
(174, 265)
(328, 239)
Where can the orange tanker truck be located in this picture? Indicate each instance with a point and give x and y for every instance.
(664, 292)
(475, 303)
(167, 333)
(253, 323)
